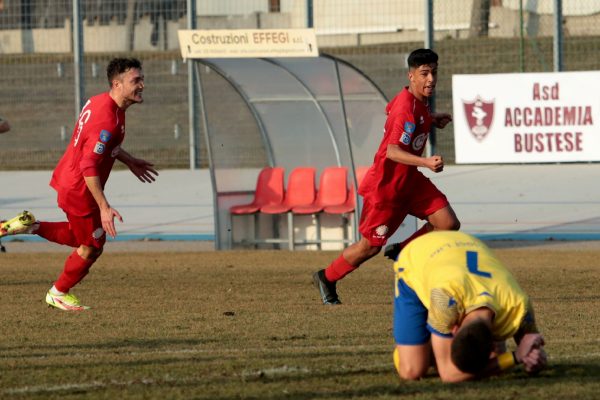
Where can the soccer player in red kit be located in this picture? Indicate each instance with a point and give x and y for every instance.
(80, 177)
(393, 187)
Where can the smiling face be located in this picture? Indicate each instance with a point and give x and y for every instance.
(127, 87)
(422, 80)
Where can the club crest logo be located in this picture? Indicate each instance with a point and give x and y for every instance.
(479, 114)
(381, 230)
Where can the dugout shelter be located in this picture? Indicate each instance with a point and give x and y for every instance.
(286, 112)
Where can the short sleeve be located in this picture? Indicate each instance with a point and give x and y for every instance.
(95, 149)
(528, 324)
(443, 313)
(403, 129)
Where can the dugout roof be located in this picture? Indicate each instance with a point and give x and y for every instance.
(285, 112)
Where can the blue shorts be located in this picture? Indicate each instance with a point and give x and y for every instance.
(410, 317)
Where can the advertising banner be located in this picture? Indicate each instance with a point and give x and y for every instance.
(527, 117)
(243, 43)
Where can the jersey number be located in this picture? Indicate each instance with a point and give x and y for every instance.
(473, 265)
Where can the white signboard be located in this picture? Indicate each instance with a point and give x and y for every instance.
(527, 118)
(242, 43)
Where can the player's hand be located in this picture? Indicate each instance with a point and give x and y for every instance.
(531, 352)
(143, 170)
(535, 361)
(440, 120)
(107, 216)
(435, 163)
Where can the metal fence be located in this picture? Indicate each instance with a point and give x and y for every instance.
(37, 73)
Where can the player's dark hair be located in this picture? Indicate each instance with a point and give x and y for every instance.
(471, 347)
(420, 57)
(119, 65)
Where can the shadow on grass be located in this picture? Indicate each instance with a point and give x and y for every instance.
(126, 345)
(540, 386)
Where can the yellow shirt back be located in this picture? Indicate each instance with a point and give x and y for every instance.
(453, 273)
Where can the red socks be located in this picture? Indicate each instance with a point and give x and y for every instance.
(76, 268)
(338, 269)
(57, 232)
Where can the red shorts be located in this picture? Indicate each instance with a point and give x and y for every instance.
(88, 230)
(378, 221)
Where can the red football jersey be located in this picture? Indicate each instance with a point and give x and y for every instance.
(407, 125)
(96, 141)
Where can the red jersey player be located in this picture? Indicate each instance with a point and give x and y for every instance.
(79, 180)
(393, 187)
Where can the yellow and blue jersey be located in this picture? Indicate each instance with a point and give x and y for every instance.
(453, 273)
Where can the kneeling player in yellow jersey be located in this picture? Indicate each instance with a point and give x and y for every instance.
(457, 303)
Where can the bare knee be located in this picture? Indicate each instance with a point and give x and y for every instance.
(89, 253)
(413, 365)
(410, 374)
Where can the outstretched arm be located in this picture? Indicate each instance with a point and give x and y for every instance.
(142, 169)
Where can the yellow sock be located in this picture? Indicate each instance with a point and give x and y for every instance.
(397, 360)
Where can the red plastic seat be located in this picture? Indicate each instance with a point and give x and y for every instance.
(350, 204)
(333, 191)
(300, 191)
(269, 191)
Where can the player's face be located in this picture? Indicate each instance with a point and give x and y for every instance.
(423, 80)
(131, 85)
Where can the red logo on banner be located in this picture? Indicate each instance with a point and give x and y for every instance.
(480, 115)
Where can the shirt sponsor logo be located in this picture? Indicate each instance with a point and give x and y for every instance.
(99, 148)
(105, 136)
(419, 141)
(405, 138)
(409, 127)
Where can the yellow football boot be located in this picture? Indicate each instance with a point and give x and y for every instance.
(23, 223)
(66, 302)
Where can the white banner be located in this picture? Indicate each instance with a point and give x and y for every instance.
(527, 117)
(248, 43)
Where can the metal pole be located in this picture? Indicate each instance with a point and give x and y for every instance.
(78, 66)
(429, 29)
(310, 22)
(211, 165)
(522, 39)
(558, 36)
(429, 24)
(350, 152)
(192, 90)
